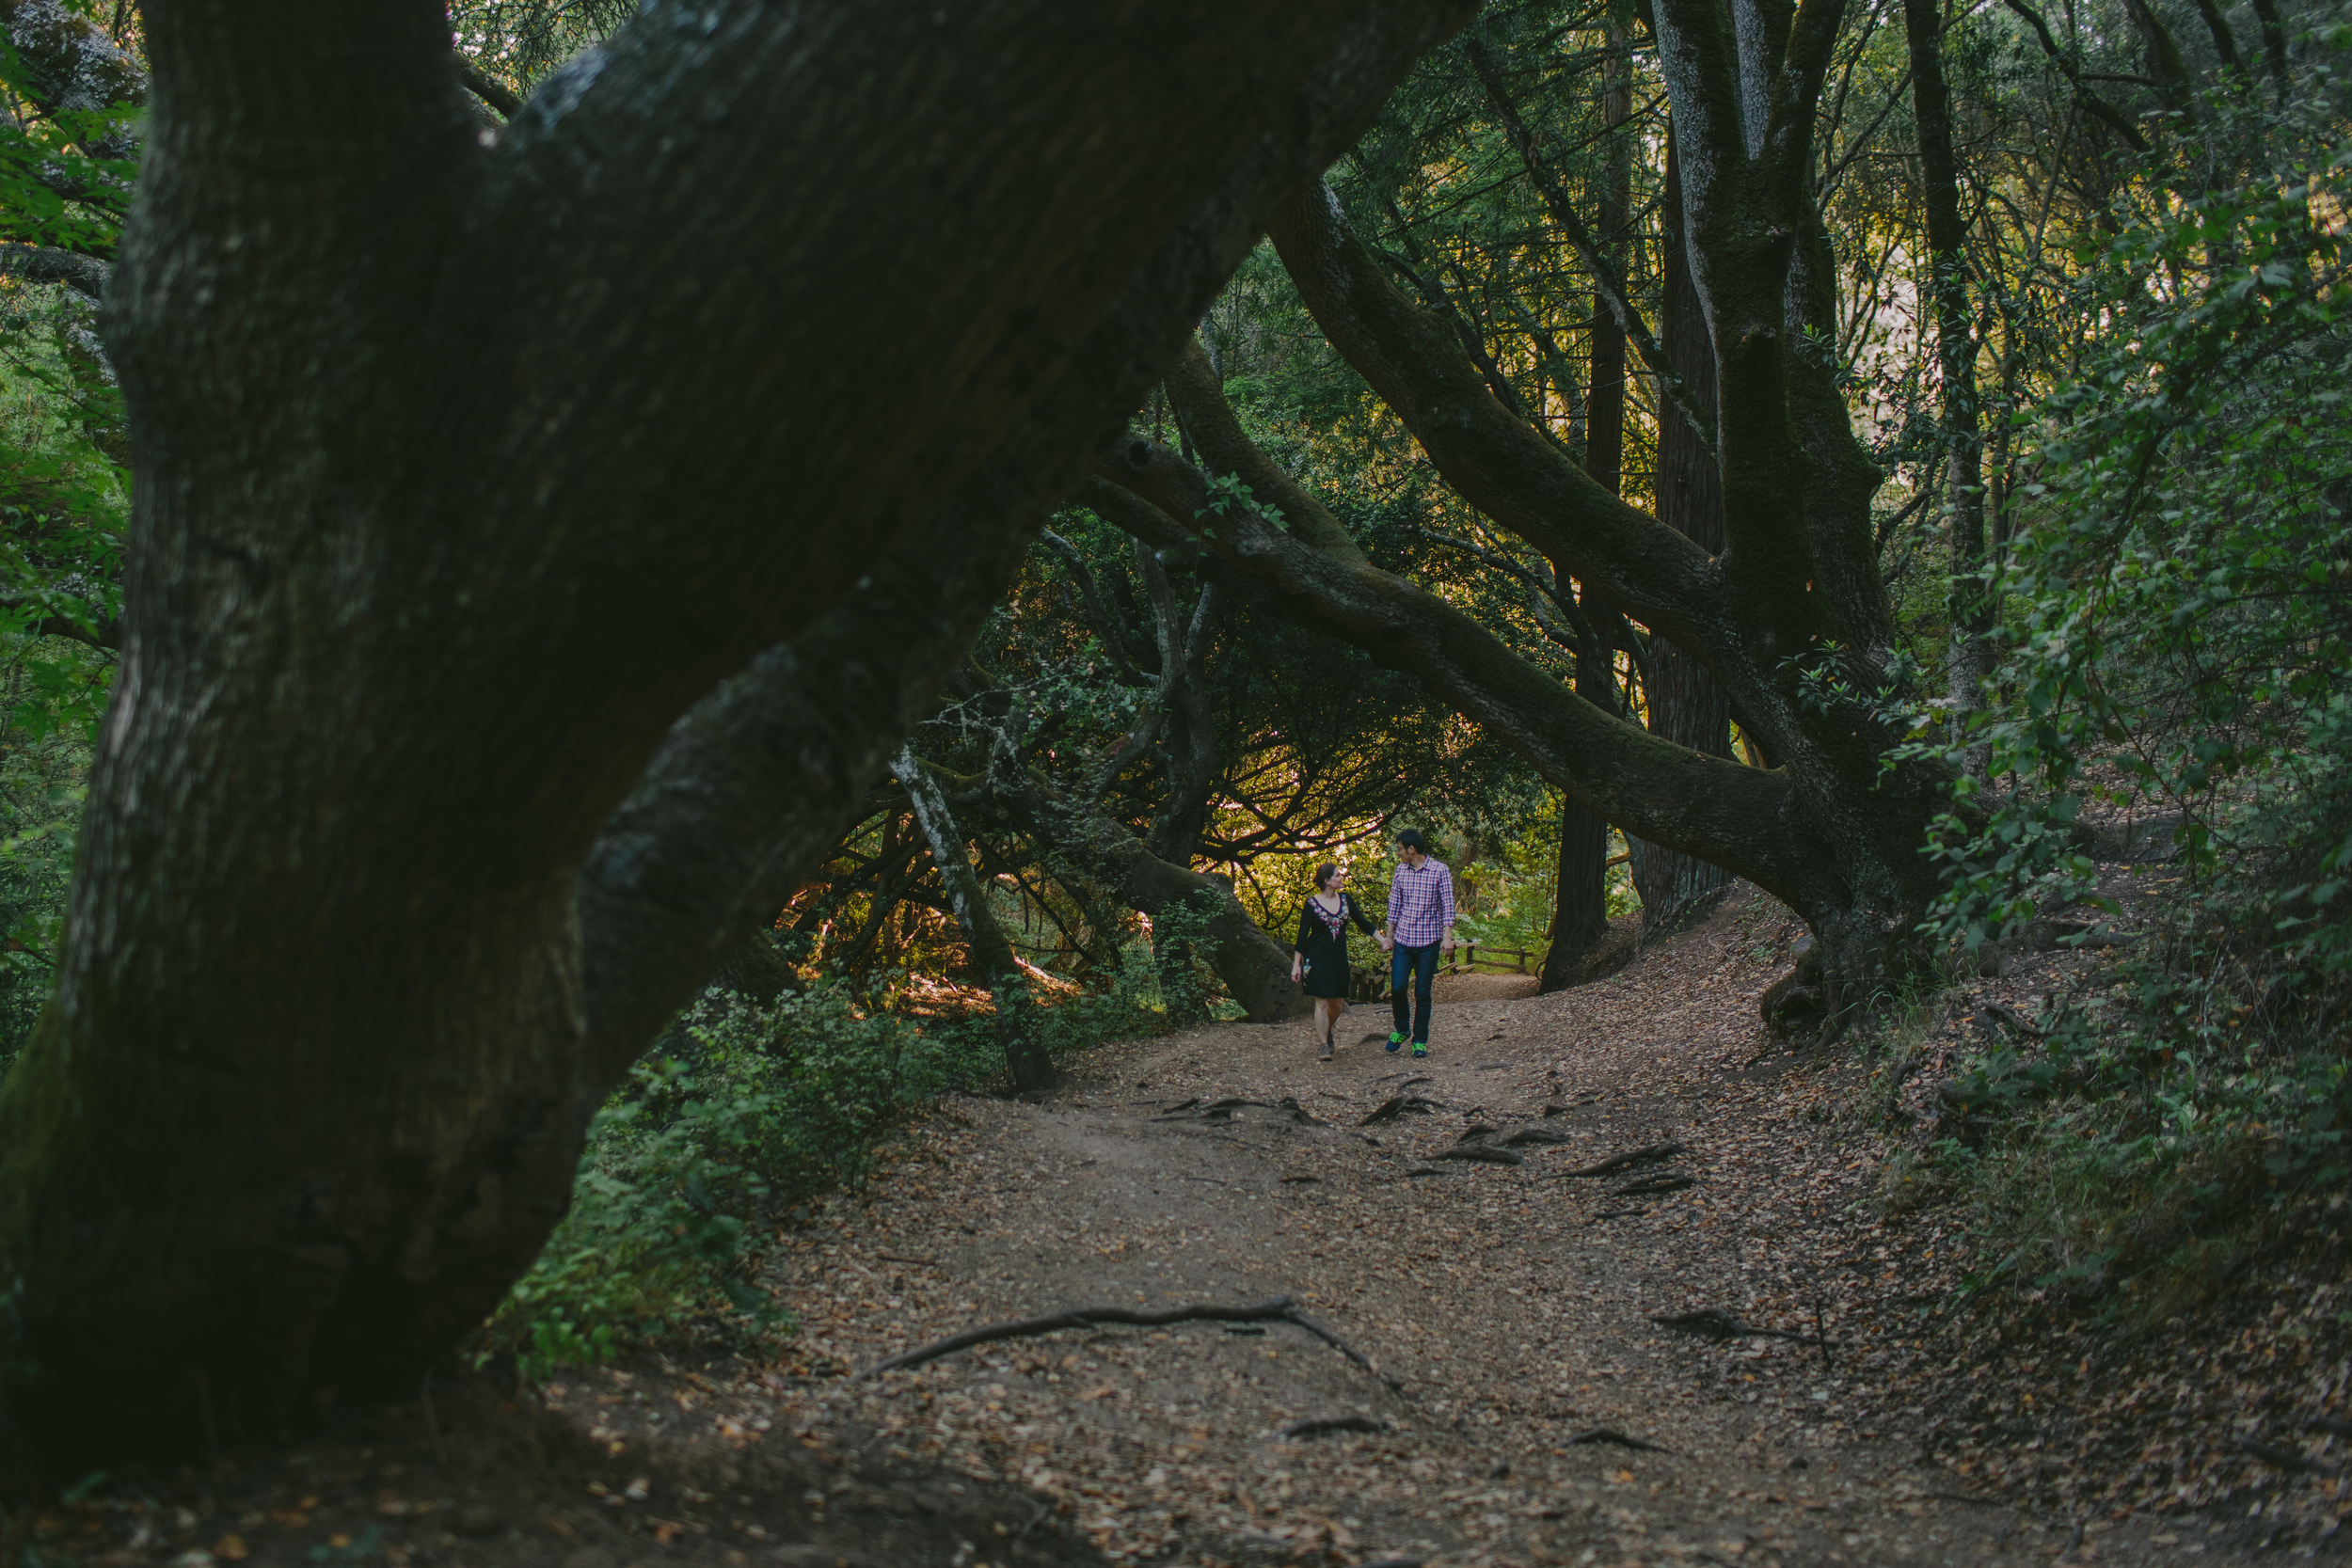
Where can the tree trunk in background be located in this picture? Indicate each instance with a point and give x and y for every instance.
(1580, 914)
(1969, 657)
(993, 963)
(1688, 706)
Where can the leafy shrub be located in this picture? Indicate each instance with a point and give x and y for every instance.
(2179, 646)
(744, 1112)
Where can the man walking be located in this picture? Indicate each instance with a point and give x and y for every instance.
(1420, 919)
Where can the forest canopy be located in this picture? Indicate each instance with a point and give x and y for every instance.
(657, 544)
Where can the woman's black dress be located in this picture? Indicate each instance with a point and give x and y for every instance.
(1323, 939)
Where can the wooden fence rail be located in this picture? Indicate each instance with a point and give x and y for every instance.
(1372, 983)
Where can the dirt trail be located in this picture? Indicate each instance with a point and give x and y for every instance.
(1514, 1305)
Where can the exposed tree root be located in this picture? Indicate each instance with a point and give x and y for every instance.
(1713, 1323)
(1401, 1105)
(1665, 1181)
(1280, 1309)
(1647, 1155)
(1607, 1435)
(1318, 1426)
(1485, 1155)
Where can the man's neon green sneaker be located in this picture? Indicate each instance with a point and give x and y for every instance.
(1419, 1050)
(1396, 1043)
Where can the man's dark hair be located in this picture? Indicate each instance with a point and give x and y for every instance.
(1410, 839)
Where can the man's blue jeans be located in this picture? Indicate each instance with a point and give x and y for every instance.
(1421, 964)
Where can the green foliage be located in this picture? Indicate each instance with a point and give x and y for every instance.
(2176, 649)
(747, 1113)
(2180, 617)
(53, 192)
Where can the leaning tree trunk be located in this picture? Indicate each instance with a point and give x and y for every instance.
(362, 928)
(1687, 703)
(993, 963)
(1255, 970)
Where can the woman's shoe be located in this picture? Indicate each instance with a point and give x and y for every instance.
(1396, 1043)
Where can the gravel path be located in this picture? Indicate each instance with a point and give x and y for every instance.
(1506, 1309)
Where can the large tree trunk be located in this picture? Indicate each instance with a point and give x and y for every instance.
(728, 315)
(993, 963)
(1687, 703)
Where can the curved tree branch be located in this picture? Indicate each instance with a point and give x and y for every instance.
(39, 264)
(1607, 278)
(1735, 816)
(1509, 471)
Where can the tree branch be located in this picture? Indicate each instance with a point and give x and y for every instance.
(1508, 470)
(37, 263)
(489, 88)
(1106, 627)
(2106, 112)
(1608, 278)
(1736, 818)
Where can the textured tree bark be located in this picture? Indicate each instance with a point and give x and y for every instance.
(396, 850)
(1687, 703)
(1969, 657)
(993, 962)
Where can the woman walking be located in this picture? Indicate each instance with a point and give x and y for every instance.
(1320, 955)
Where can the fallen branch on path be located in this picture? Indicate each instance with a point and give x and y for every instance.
(1485, 1155)
(1280, 1309)
(1084, 1317)
(1713, 1323)
(1363, 1362)
(1665, 1181)
(1649, 1155)
(1222, 1110)
(1526, 1135)
(1402, 1105)
(1317, 1426)
(1607, 1435)
(2286, 1459)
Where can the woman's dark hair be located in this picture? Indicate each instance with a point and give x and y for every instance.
(1410, 838)
(1324, 873)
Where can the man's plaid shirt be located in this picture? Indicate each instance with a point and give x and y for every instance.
(1420, 903)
